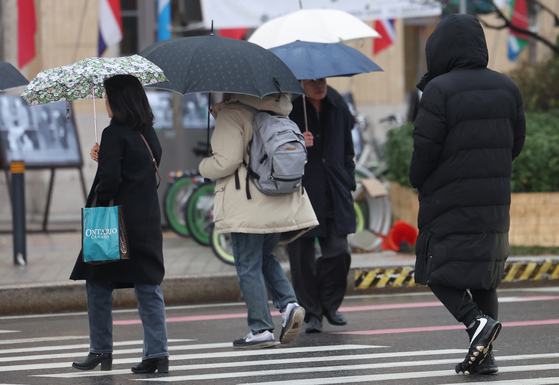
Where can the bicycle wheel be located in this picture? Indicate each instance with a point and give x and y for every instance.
(176, 197)
(199, 213)
(222, 247)
(359, 216)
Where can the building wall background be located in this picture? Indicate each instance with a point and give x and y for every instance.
(67, 32)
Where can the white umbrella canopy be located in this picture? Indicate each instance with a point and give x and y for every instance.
(314, 25)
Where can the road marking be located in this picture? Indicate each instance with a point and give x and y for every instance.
(302, 360)
(186, 318)
(445, 327)
(80, 346)
(229, 304)
(286, 361)
(116, 352)
(41, 339)
(389, 376)
(9, 331)
(526, 381)
(279, 372)
(410, 305)
(213, 355)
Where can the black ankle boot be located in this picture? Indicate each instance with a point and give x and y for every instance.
(94, 359)
(161, 364)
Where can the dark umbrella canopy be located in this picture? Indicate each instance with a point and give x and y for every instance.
(219, 64)
(308, 60)
(10, 77)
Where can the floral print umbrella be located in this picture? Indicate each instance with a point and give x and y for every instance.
(84, 79)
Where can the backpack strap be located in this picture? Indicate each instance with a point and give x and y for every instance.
(253, 111)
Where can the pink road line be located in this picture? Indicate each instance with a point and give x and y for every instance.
(342, 309)
(391, 306)
(449, 327)
(404, 330)
(243, 315)
(186, 319)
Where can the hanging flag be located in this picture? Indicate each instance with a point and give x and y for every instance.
(110, 24)
(519, 18)
(26, 28)
(387, 35)
(163, 19)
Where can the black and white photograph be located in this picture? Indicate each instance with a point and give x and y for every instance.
(194, 109)
(41, 136)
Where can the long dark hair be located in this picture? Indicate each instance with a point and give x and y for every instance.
(129, 102)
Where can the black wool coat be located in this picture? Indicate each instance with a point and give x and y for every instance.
(127, 174)
(330, 161)
(469, 128)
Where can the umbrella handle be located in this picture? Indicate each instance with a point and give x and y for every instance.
(305, 113)
(94, 112)
(304, 109)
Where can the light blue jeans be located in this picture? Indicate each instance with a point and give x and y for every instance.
(151, 307)
(258, 270)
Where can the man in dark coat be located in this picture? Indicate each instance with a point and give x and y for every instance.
(329, 178)
(469, 128)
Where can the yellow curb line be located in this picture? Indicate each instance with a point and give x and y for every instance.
(404, 276)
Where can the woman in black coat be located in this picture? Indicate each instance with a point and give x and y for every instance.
(469, 128)
(126, 173)
(329, 179)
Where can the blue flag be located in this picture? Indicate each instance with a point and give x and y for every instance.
(163, 20)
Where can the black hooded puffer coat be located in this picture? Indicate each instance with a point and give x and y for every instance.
(469, 128)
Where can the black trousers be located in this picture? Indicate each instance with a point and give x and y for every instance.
(466, 305)
(320, 284)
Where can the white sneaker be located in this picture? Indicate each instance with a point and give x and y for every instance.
(291, 322)
(260, 340)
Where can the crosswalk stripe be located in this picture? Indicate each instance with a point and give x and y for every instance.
(298, 360)
(302, 360)
(390, 376)
(79, 346)
(337, 368)
(525, 381)
(117, 352)
(228, 354)
(41, 339)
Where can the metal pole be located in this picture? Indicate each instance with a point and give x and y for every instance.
(18, 212)
(463, 6)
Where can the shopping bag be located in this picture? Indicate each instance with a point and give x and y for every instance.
(104, 237)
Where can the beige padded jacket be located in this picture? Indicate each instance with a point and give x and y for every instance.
(233, 212)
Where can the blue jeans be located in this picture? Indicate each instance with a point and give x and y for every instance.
(151, 307)
(258, 270)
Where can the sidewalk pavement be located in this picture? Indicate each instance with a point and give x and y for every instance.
(193, 274)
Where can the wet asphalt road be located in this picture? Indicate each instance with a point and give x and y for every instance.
(389, 339)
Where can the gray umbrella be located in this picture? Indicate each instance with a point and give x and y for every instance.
(10, 77)
(219, 64)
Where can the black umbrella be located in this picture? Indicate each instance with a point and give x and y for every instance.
(220, 64)
(10, 77)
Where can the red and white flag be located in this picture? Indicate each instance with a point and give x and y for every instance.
(387, 35)
(110, 24)
(26, 28)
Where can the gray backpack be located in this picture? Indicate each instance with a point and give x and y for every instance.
(277, 154)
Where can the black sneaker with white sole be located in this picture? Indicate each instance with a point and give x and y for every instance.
(482, 334)
(291, 322)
